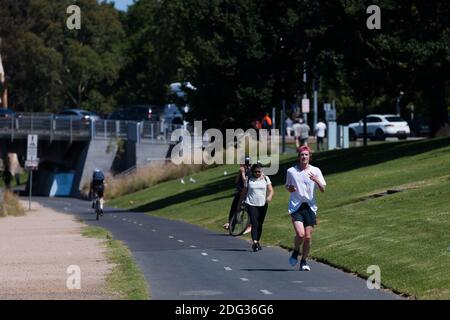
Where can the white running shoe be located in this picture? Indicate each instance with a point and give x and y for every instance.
(304, 266)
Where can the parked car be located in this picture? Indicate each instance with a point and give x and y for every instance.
(77, 114)
(172, 114)
(7, 113)
(380, 126)
(134, 113)
(419, 128)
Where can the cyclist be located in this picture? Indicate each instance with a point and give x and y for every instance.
(239, 196)
(98, 187)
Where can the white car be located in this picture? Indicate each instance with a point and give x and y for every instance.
(380, 126)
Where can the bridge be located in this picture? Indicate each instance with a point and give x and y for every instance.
(69, 150)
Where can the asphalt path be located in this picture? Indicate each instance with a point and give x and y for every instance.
(181, 261)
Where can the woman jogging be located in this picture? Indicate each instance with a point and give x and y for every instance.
(259, 193)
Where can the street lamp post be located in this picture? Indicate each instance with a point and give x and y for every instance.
(399, 97)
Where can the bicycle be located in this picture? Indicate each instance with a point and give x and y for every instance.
(98, 210)
(240, 221)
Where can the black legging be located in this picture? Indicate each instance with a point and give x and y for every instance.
(257, 216)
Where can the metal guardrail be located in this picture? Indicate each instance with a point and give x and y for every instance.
(67, 129)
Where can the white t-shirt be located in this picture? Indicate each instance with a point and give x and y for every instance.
(320, 129)
(289, 123)
(297, 129)
(304, 187)
(257, 190)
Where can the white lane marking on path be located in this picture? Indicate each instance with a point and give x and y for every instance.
(181, 241)
(297, 281)
(215, 260)
(192, 246)
(140, 224)
(170, 237)
(244, 279)
(135, 222)
(227, 268)
(204, 254)
(265, 291)
(153, 230)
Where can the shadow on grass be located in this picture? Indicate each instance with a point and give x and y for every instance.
(208, 189)
(330, 162)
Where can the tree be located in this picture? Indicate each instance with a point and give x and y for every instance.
(51, 66)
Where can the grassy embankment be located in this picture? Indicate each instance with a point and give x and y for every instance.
(404, 233)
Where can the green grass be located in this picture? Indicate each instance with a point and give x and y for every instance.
(405, 234)
(23, 180)
(125, 278)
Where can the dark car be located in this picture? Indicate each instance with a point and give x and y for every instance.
(136, 113)
(77, 114)
(7, 113)
(419, 128)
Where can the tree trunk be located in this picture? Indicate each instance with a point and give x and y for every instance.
(438, 107)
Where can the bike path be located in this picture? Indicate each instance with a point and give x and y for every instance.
(181, 261)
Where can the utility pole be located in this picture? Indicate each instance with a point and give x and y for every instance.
(305, 96)
(283, 127)
(315, 103)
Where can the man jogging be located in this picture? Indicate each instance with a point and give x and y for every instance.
(301, 181)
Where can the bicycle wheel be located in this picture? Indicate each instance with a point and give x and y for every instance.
(97, 209)
(239, 222)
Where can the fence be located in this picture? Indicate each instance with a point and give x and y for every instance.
(47, 127)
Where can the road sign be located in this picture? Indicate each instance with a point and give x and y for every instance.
(32, 164)
(32, 147)
(305, 105)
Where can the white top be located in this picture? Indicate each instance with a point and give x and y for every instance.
(297, 129)
(304, 131)
(257, 190)
(304, 187)
(289, 123)
(320, 129)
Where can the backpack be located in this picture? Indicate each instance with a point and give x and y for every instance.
(98, 176)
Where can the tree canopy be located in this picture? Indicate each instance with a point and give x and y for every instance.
(243, 56)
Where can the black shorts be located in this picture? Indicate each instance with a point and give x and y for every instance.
(319, 139)
(99, 189)
(305, 214)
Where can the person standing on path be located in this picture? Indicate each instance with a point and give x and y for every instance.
(301, 182)
(289, 129)
(304, 133)
(297, 127)
(259, 194)
(319, 131)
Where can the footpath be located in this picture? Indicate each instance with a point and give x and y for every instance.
(44, 256)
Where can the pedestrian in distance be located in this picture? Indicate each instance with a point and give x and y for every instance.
(266, 122)
(304, 133)
(301, 181)
(259, 194)
(289, 124)
(297, 132)
(319, 131)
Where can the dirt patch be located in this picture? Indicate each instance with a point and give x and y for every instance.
(36, 252)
